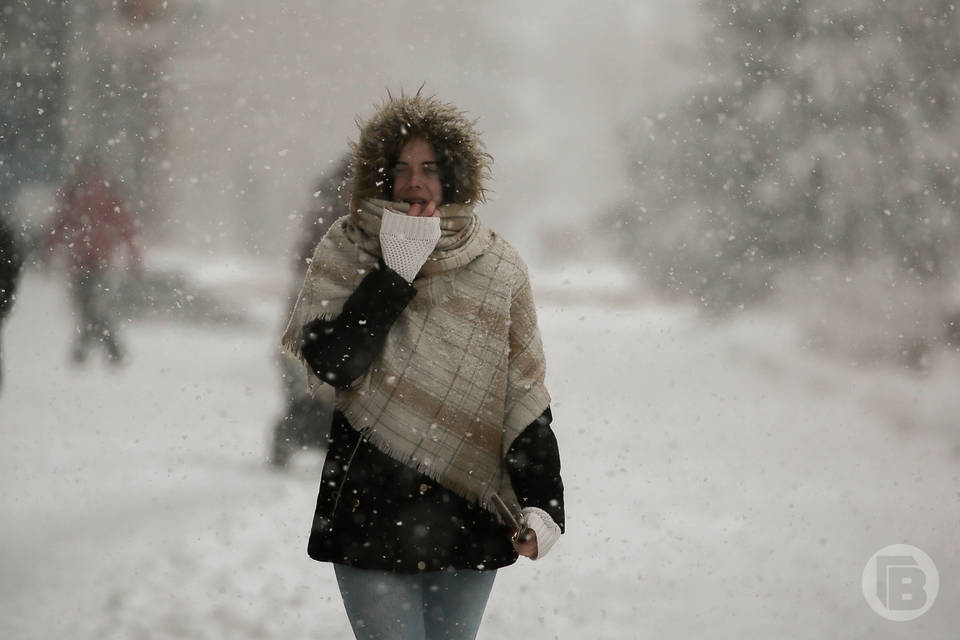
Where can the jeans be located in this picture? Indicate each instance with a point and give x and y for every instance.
(89, 286)
(433, 605)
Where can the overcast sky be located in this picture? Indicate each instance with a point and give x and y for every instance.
(266, 95)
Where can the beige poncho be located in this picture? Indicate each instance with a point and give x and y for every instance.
(462, 372)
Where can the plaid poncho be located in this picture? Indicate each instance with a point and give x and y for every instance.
(462, 372)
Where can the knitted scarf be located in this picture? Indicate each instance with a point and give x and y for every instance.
(462, 372)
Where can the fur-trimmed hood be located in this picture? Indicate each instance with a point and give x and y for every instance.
(464, 164)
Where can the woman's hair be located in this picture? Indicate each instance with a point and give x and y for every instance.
(464, 164)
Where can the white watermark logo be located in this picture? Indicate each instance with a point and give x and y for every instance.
(900, 582)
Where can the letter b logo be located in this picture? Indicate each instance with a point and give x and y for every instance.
(900, 582)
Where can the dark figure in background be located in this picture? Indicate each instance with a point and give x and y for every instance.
(10, 262)
(93, 225)
(307, 416)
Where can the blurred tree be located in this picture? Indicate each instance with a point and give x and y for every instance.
(820, 130)
(119, 94)
(32, 43)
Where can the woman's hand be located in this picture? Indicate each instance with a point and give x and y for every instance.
(428, 210)
(528, 547)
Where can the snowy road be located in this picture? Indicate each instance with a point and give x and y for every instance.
(721, 483)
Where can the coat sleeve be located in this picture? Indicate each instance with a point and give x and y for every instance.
(339, 350)
(127, 229)
(533, 462)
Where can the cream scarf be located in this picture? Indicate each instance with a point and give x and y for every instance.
(461, 374)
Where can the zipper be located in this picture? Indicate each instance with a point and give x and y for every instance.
(346, 470)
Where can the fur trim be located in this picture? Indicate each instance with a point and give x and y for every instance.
(465, 164)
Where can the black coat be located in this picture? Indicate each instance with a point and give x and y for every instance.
(10, 262)
(374, 512)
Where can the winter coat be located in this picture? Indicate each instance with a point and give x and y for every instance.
(10, 263)
(93, 223)
(328, 205)
(375, 513)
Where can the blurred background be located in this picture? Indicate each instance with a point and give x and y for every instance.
(742, 224)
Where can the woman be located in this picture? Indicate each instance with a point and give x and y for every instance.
(423, 321)
(94, 225)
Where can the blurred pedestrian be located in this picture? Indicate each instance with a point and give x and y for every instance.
(442, 465)
(94, 227)
(11, 260)
(307, 416)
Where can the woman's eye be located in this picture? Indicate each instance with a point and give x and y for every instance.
(405, 170)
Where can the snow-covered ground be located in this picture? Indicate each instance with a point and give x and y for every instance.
(721, 481)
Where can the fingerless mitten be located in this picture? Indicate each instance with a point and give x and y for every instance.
(407, 242)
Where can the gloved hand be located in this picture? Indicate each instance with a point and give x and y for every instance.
(407, 241)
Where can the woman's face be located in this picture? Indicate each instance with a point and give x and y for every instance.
(416, 175)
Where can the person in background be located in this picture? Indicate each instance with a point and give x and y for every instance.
(93, 226)
(307, 416)
(11, 260)
(442, 465)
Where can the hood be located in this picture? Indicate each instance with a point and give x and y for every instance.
(464, 163)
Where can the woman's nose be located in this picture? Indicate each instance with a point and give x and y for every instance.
(417, 177)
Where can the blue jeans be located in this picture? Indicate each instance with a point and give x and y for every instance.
(433, 605)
